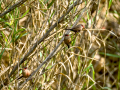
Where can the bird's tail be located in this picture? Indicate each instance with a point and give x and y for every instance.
(68, 46)
(68, 29)
(20, 77)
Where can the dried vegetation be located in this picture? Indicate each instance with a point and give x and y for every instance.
(31, 35)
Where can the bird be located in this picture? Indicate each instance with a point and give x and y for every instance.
(25, 73)
(77, 28)
(67, 40)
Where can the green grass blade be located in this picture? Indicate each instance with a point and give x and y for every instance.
(111, 55)
(2, 53)
(25, 13)
(110, 3)
(106, 88)
(51, 4)
(86, 69)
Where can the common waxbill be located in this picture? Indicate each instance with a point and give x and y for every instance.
(77, 28)
(67, 40)
(25, 73)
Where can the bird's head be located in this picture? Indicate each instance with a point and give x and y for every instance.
(66, 34)
(81, 27)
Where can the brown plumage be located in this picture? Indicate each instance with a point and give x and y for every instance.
(77, 28)
(67, 40)
(25, 73)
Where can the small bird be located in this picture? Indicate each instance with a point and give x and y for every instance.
(77, 28)
(67, 40)
(25, 73)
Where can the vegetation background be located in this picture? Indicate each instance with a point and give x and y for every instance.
(32, 34)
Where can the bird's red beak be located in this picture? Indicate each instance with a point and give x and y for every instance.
(83, 26)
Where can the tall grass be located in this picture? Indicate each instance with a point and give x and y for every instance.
(66, 69)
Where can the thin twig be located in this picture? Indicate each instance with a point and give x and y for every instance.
(13, 7)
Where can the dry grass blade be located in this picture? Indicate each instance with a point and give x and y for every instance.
(2, 72)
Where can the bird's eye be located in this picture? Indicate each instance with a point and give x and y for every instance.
(66, 35)
(25, 68)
